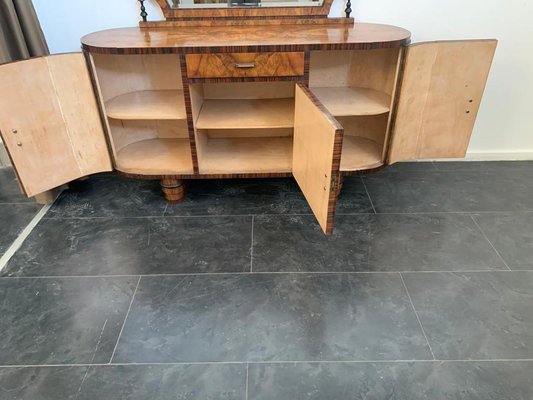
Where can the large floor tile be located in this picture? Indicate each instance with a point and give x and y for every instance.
(157, 382)
(240, 197)
(13, 219)
(42, 383)
(61, 321)
(271, 317)
(512, 235)
(422, 242)
(10, 189)
(130, 246)
(475, 315)
(392, 381)
(448, 191)
(110, 195)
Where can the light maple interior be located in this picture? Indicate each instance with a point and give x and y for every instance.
(357, 87)
(144, 103)
(243, 127)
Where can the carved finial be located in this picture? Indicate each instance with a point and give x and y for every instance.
(348, 10)
(144, 14)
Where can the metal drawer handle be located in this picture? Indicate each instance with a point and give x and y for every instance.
(245, 65)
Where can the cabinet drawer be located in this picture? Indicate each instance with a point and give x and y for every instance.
(238, 65)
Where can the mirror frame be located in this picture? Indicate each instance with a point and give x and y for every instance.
(177, 14)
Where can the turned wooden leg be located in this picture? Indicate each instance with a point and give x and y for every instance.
(174, 190)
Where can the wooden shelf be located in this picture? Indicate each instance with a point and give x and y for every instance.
(148, 104)
(360, 153)
(156, 157)
(246, 155)
(350, 101)
(246, 113)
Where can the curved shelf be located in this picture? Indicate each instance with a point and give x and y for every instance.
(351, 101)
(359, 153)
(148, 104)
(246, 114)
(156, 157)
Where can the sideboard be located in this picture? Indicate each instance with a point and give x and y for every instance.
(313, 101)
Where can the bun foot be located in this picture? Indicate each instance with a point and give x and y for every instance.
(174, 190)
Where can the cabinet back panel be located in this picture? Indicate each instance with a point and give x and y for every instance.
(124, 133)
(119, 75)
(370, 127)
(247, 133)
(249, 90)
(373, 69)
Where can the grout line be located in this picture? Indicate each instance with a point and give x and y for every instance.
(252, 247)
(247, 379)
(92, 360)
(138, 364)
(125, 318)
(417, 317)
(15, 246)
(368, 194)
(487, 239)
(266, 273)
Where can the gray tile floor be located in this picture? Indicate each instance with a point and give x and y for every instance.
(424, 292)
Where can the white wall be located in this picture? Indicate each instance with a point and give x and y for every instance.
(504, 129)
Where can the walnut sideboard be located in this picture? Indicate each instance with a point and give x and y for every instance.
(313, 101)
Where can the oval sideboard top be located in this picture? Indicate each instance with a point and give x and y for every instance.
(245, 38)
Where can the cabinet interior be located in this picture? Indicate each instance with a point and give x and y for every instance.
(243, 127)
(357, 87)
(144, 104)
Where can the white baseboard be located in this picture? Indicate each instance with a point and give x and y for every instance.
(485, 156)
(499, 156)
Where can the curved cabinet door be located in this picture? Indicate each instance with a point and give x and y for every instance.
(440, 94)
(316, 159)
(50, 123)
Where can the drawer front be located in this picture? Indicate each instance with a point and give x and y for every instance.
(239, 65)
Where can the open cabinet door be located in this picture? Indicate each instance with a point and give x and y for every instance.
(50, 123)
(440, 94)
(317, 156)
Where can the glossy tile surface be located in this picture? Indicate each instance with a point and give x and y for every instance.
(475, 315)
(240, 197)
(130, 246)
(45, 383)
(166, 382)
(445, 242)
(271, 317)
(110, 195)
(512, 236)
(9, 188)
(394, 381)
(13, 219)
(311, 305)
(139, 382)
(62, 321)
(462, 191)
